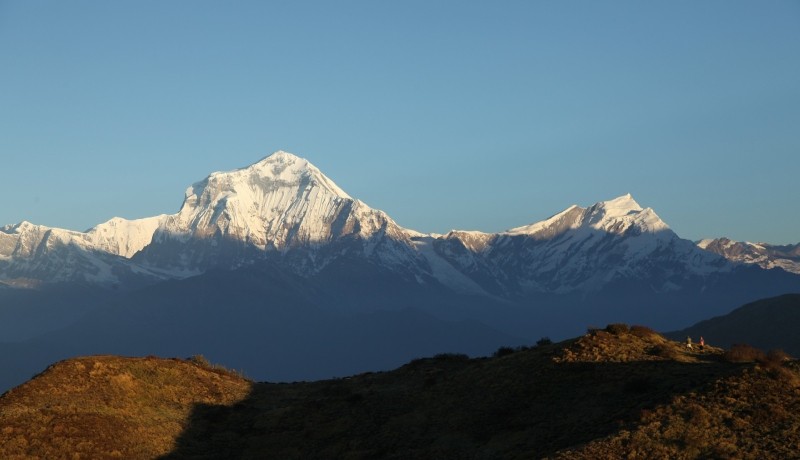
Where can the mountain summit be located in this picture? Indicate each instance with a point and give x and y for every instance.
(613, 216)
(279, 201)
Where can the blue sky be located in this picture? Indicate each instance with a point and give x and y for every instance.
(445, 114)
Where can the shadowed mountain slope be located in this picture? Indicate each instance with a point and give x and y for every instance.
(614, 392)
(768, 323)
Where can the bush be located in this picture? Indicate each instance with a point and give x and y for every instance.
(743, 353)
(544, 341)
(503, 351)
(777, 356)
(773, 363)
(200, 360)
(617, 328)
(664, 351)
(643, 331)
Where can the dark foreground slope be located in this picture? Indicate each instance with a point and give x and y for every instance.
(604, 395)
(767, 323)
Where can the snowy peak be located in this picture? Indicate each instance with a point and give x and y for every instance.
(125, 237)
(615, 216)
(279, 202)
(286, 168)
(21, 227)
(279, 171)
(553, 226)
(619, 207)
(622, 214)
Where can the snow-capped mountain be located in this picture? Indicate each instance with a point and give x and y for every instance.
(279, 205)
(762, 254)
(31, 255)
(584, 249)
(282, 209)
(229, 219)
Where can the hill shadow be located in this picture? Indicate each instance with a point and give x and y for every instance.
(444, 407)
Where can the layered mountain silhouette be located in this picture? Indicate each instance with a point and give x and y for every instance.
(274, 269)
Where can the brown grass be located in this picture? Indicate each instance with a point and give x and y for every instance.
(109, 407)
(627, 394)
(743, 353)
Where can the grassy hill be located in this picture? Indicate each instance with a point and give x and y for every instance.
(614, 393)
(109, 407)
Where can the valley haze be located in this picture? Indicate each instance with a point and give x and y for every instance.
(276, 270)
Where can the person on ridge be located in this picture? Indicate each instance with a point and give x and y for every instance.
(688, 342)
(702, 343)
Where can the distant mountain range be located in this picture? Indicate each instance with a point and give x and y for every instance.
(283, 209)
(764, 255)
(274, 263)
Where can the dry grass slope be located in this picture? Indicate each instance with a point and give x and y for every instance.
(620, 392)
(109, 407)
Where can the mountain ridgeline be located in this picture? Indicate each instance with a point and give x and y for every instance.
(276, 270)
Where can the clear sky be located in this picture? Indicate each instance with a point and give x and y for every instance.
(445, 114)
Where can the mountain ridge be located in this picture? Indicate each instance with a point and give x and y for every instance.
(283, 202)
(765, 255)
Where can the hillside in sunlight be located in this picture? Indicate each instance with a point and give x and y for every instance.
(617, 392)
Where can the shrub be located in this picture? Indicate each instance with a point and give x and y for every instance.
(617, 328)
(743, 353)
(200, 360)
(503, 351)
(773, 363)
(777, 356)
(642, 331)
(664, 351)
(544, 341)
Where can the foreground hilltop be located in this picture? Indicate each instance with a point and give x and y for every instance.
(611, 393)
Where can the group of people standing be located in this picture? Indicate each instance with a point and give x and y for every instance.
(702, 343)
